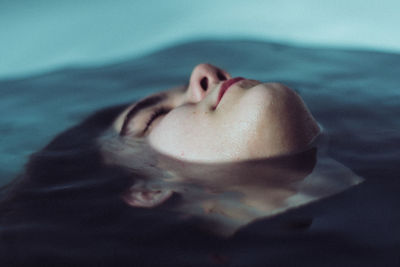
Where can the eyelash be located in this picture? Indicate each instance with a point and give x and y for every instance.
(156, 113)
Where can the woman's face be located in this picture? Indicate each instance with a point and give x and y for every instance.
(218, 119)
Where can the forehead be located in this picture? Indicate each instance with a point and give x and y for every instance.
(171, 97)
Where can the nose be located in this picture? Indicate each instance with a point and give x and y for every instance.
(203, 78)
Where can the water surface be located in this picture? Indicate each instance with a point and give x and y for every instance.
(354, 95)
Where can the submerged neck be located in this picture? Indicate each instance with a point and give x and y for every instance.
(227, 197)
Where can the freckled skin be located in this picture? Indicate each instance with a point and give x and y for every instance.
(265, 120)
(252, 120)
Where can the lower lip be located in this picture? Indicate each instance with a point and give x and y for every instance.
(225, 86)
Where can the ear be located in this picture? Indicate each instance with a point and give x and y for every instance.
(144, 198)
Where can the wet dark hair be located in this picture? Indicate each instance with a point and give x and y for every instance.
(66, 208)
(70, 162)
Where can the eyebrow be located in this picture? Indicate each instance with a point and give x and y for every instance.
(145, 103)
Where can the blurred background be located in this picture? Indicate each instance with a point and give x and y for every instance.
(37, 36)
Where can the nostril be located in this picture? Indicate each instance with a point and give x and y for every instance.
(221, 76)
(204, 83)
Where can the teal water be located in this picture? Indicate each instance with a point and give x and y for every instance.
(355, 95)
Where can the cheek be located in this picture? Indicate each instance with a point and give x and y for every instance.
(202, 137)
(183, 134)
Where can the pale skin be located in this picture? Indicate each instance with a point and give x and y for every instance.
(232, 159)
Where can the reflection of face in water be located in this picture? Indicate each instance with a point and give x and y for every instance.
(229, 147)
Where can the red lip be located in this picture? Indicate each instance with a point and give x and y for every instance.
(225, 86)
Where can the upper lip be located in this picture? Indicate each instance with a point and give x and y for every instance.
(225, 86)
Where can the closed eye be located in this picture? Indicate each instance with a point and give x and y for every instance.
(156, 113)
(146, 103)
